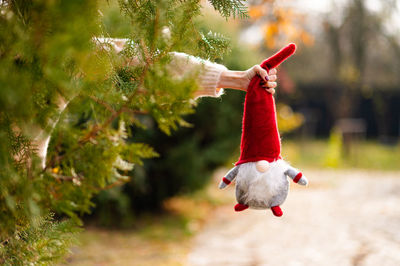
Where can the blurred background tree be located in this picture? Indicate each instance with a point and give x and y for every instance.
(346, 70)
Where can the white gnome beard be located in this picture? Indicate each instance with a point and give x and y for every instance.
(260, 190)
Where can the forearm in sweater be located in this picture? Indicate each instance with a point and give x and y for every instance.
(211, 76)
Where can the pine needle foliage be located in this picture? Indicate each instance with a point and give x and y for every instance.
(48, 53)
(52, 238)
(212, 43)
(234, 8)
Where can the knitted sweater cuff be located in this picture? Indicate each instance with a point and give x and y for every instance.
(208, 77)
(208, 80)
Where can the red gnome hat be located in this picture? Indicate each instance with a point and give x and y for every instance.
(260, 135)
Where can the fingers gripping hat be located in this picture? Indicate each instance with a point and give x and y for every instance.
(260, 135)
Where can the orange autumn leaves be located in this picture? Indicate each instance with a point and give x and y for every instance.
(280, 23)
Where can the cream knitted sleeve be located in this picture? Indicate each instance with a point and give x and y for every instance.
(208, 77)
(181, 64)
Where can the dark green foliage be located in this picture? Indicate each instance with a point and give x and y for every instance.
(34, 53)
(188, 157)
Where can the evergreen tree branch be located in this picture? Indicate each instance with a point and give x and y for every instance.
(96, 129)
(234, 8)
(103, 103)
(47, 55)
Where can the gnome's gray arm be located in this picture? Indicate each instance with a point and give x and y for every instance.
(230, 176)
(297, 176)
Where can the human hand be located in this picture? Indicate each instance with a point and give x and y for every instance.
(240, 80)
(269, 78)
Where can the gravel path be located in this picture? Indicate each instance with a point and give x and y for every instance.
(343, 218)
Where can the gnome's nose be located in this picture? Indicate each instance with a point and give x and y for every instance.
(262, 166)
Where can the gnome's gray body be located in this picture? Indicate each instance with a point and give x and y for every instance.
(261, 190)
(262, 185)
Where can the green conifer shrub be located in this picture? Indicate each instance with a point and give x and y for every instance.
(47, 52)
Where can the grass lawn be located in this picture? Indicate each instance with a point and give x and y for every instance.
(323, 154)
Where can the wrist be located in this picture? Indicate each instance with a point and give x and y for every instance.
(233, 80)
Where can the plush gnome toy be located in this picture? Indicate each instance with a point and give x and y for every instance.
(261, 173)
